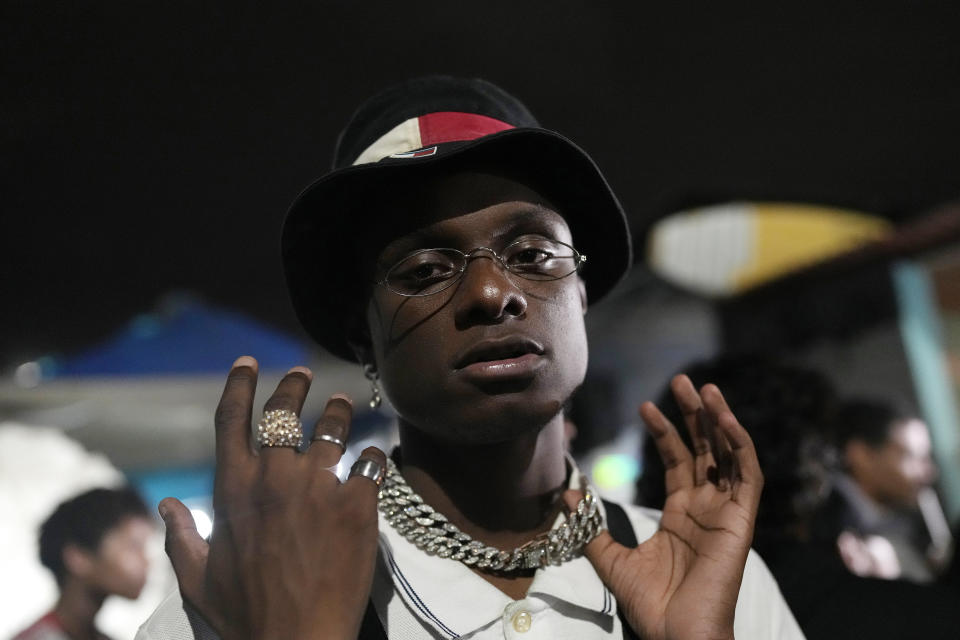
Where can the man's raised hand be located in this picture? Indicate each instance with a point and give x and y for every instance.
(293, 550)
(683, 582)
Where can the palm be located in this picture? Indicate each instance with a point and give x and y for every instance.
(684, 580)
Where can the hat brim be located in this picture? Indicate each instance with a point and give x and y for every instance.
(312, 243)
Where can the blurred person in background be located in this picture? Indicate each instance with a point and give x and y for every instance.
(883, 504)
(787, 408)
(95, 546)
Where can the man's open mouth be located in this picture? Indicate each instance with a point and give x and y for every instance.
(499, 349)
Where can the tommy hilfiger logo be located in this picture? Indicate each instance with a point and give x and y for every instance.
(417, 137)
(419, 153)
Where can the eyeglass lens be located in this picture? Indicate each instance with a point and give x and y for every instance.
(432, 270)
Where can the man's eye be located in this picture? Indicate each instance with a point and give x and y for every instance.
(429, 270)
(423, 268)
(529, 256)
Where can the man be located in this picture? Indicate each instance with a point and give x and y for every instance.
(95, 546)
(452, 253)
(887, 464)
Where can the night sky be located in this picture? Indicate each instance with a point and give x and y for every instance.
(150, 147)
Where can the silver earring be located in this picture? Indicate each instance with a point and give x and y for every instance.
(371, 374)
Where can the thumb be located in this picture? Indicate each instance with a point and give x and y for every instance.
(186, 549)
(603, 552)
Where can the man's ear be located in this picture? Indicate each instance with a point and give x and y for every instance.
(363, 353)
(582, 286)
(78, 562)
(358, 337)
(361, 344)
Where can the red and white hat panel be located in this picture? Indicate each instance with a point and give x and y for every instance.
(417, 137)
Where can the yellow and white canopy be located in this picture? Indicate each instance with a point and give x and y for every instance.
(727, 249)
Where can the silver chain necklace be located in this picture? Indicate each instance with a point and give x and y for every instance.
(431, 532)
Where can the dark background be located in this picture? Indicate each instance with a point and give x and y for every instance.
(155, 146)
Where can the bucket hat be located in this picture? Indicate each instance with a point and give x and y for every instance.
(408, 131)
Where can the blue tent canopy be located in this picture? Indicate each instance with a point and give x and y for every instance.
(184, 337)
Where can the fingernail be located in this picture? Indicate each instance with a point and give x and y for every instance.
(162, 508)
(245, 361)
(302, 370)
(342, 396)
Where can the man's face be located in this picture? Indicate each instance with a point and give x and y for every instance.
(494, 355)
(895, 472)
(119, 565)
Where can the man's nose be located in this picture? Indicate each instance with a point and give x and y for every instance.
(488, 292)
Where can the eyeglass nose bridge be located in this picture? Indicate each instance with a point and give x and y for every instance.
(472, 255)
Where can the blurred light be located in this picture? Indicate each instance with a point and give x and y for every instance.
(28, 375)
(203, 522)
(615, 470)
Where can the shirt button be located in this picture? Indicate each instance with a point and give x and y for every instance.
(522, 621)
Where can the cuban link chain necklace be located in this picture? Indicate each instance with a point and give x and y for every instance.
(431, 532)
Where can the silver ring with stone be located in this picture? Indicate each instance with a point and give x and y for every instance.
(328, 438)
(279, 428)
(368, 469)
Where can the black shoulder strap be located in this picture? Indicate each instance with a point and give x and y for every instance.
(619, 524)
(622, 531)
(620, 528)
(371, 628)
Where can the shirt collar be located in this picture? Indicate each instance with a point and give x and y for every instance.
(449, 597)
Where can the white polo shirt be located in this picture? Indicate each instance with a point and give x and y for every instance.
(417, 595)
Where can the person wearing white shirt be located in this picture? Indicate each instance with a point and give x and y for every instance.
(452, 253)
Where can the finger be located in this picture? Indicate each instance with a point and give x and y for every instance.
(331, 431)
(363, 485)
(186, 549)
(695, 419)
(232, 421)
(748, 484)
(715, 406)
(677, 460)
(290, 394)
(291, 391)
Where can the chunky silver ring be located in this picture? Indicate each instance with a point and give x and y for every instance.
(368, 469)
(328, 438)
(279, 428)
